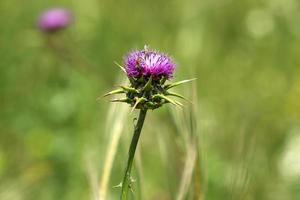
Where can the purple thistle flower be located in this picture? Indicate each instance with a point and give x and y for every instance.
(54, 19)
(149, 63)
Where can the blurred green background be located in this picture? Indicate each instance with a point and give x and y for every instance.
(240, 139)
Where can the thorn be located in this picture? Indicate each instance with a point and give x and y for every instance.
(139, 100)
(117, 91)
(121, 100)
(120, 66)
(118, 186)
(178, 103)
(177, 95)
(174, 102)
(168, 86)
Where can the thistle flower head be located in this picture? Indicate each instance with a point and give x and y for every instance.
(54, 19)
(148, 71)
(148, 63)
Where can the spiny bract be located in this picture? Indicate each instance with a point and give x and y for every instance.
(148, 71)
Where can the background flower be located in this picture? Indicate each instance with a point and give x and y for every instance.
(55, 19)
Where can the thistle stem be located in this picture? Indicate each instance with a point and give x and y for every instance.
(132, 148)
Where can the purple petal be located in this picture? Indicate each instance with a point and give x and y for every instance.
(149, 63)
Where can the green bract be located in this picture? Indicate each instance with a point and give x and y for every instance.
(147, 93)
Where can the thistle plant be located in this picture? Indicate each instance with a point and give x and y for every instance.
(148, 72)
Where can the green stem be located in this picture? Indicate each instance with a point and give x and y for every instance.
(132, 148)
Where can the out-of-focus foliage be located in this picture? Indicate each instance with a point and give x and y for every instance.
(244, 54)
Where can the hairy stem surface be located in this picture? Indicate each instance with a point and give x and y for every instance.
(135, 138)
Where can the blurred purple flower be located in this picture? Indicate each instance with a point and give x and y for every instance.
(149, 63)
(54, 19)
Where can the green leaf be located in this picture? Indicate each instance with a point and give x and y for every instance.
(117, 91)
(168, 86)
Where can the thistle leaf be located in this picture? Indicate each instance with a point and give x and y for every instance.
(117, 91)
(168, 86)
(120, 66)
